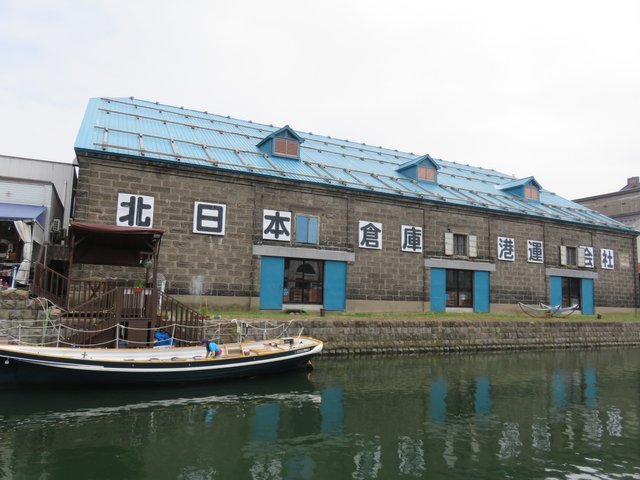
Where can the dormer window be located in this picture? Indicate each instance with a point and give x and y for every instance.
(286, 147)
(527, 188)
(423, 169)
(428, 174)
(532, 193)
(282, 143)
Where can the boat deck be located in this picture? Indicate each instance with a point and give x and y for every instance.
(167, 354)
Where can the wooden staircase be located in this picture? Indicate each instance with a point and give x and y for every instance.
(102, 312)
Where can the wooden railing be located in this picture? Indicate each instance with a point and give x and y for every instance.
(124, 317)
(50, 284)
(118, 317)
(108, 315)
(181, 321)
(94, 321)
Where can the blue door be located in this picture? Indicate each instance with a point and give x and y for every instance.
(481, 292)
(438, 291)
(555, 295)
(335, 285)
(586, 294)
(271, 283)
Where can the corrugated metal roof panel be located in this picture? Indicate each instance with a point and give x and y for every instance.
(173, 134)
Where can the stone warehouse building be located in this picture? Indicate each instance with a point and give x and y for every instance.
(623, 206)
(270, 217)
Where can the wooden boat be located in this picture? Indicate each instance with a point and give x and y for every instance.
(563, 311)
(43, 365)
(547, 311)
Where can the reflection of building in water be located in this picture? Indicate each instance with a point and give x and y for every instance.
(266, 418)
(266, 468)
(299, 465)
(464, 416)
(6, 456)
(614, 422)
(368, 459)
(483, 402)
(559, 389)
(411, 456)
(509, 443)
(593, 429)
(437, 401)
(265, 422)
(449, 453)
(332, 410)
(590, 388)
(583, 388)
(540, 435)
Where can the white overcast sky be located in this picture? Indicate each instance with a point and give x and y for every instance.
(543, 88)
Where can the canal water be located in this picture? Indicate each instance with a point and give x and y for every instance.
(555, 415)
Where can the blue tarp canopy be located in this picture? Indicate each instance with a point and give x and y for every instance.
(13, 211)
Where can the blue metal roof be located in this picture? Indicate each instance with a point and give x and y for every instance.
(142, 129)
(519, 183)
(425, 158)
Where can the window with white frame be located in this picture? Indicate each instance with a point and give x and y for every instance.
(459, 244)
(568, 255)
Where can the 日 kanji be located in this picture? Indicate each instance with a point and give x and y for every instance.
(209, 218)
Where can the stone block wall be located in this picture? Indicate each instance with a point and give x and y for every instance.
(23, 318)
(413, 336)
(192, 263)
(387, 274)
(615, 287)
(518, 279)
(439, 219)
(224, 266)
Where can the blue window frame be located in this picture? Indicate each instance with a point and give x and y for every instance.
(306, 229)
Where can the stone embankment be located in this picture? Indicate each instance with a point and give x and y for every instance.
(23, 318)
(413, 336)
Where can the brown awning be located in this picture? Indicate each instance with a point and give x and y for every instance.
(100, 244)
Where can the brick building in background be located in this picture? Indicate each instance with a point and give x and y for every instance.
(623, 206)
(273, 218)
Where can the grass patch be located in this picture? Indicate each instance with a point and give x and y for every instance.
(277, 315)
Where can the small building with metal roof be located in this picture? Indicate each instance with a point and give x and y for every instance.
(275, 218)
(35, 204)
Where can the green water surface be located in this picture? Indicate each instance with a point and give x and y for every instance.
(555, 415)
